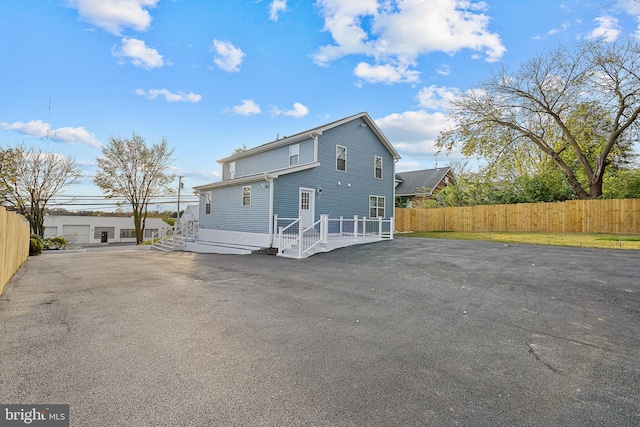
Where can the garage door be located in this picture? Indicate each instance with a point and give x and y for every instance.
(80, 233)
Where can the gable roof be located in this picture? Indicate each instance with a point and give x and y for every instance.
(414, 182)
(310, 133)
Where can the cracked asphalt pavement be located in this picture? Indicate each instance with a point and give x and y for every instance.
(404, 332)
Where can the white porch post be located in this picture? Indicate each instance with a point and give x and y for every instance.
(275, 228)
(300, 234)
(379, 227)
(355, 227)
(340, 226)
(392, 226)
(280, 240)
(324, 228)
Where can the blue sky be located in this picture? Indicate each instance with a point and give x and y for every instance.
(212, 76)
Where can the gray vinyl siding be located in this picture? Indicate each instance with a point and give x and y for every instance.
(275, 159)
(228, 213)
(341, 200)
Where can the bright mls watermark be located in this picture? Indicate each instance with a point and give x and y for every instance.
(34, 415)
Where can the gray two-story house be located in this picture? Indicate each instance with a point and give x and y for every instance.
(326, 187)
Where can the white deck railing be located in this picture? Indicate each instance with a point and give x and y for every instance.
(173, 237)
(327, 229)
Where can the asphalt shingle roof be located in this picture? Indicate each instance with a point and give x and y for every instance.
(413, 182)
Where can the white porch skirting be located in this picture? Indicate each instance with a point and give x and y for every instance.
(226, 242)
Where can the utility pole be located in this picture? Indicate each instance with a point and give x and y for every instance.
(179, 188)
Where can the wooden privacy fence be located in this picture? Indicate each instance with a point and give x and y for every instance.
(14, 244)
(574, 216)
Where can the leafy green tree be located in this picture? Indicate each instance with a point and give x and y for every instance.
(30, 177)
(577, 107)
(129, 168)
(622, 184)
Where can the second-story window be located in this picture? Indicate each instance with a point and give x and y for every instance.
(341, 158)
(246, 195)
(232, 170)
(377, 165)
(207, 205)
(294, 155)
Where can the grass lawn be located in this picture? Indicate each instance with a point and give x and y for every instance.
(582, 240)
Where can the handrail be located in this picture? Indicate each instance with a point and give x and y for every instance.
(175, 235)
(313, 239)
(284, 239)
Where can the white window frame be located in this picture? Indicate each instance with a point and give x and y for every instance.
(375, 167)
(246, 195)
(338, 147)
(294, 153)
(207, 204)
(232, 170)
(376, 206)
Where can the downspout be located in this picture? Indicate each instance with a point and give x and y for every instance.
(270, 179)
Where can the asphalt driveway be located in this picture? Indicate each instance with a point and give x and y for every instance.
(408, 332)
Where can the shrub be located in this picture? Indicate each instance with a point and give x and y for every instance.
(36, 245)
(57, 242)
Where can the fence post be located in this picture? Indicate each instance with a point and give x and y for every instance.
(280, 240)
(341, 230)
(355, 227)
(392, 225)
(379, 227)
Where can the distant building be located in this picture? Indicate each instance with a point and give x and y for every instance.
(98, 229)
(417, 186)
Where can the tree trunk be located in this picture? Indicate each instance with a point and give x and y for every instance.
(137, 225)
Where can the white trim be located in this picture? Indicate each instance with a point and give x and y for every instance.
(312, 204)
(375, 167)
(232, 170)
(257, 177)
(243, 195)
(384, 208)
(207, 235)
(294, 151)
(345, 158)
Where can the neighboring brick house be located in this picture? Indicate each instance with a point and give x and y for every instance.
(414, 187)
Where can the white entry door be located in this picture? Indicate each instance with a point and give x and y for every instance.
(307, 206)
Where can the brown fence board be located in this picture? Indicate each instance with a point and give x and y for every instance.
(573, 216)
(14, 244)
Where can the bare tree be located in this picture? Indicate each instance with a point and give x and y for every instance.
(130, 169)
(576, 106)
(30, 177)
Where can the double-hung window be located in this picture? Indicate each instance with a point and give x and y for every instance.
(294, 155)
(246, 195)
(376, 206)
(232, 170)
(377, 167)
(207, 205)
(341, 158)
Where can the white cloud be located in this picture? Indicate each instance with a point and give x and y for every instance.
(66, 135)
(608, 29)
(413, 132)
(169, 96)
(139, 54)
(398, 32)
(115, 15)
(227, 56)
(436, 98)
(386, 73)
(407, 166)
(276, 8)
(444, 70)
(298, 111)
(246, 108)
